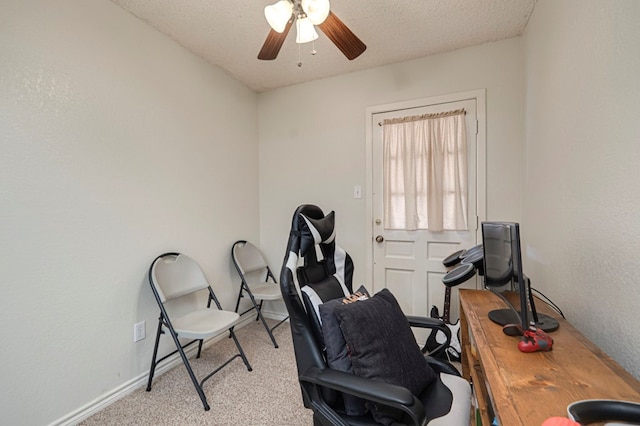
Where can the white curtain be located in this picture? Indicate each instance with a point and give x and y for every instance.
(425, 172)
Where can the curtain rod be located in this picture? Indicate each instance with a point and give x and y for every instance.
(411, 118)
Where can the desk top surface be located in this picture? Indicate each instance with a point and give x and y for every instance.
(527, 388)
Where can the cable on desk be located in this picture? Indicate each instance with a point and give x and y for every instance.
(549, 302)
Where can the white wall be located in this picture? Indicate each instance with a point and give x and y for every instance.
(581, 187)
(115, 146)
(312, 138)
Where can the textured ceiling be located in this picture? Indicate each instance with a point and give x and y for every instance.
(230, 33)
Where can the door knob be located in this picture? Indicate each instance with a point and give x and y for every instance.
(379, 238)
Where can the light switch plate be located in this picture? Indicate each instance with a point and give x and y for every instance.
(357, 191)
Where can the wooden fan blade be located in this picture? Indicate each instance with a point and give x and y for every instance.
(273, 43)
(342, 37)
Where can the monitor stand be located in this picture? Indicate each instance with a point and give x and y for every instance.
(511, 316)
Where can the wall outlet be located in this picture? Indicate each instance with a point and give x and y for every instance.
(139, 331)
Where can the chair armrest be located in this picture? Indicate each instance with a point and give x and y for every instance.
(442, 366)
(433, 324)
(426, 322)
(371, 390)
(602, 410)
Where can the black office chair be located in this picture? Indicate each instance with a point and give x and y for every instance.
(317, 272)
(590, 411)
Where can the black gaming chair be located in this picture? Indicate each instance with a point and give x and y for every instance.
(314, 266)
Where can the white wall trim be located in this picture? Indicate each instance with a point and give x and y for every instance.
(125, 389)
(480, 95)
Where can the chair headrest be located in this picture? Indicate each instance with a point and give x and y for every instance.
(315, 231)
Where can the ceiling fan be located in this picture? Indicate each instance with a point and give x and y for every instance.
(306, 14)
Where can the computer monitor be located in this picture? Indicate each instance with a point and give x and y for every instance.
(503, 272)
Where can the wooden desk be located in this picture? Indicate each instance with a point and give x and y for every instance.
(527, 388)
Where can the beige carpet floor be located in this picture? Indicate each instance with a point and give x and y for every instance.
(268, 395)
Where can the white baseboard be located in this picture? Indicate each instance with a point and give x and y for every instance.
(121, 391)
(126, 388)
(278, 316)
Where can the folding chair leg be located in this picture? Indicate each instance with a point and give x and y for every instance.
(239, 297)
(187, 365)
(152, 369)
(199, 348)
(266, 326)
(258, 308)
(185, 360)
(242, 355)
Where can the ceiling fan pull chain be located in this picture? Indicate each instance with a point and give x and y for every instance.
(299, 57)
(313, 48)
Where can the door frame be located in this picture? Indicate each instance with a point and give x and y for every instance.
(481, 158)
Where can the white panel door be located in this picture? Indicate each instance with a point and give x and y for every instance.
(409, 263)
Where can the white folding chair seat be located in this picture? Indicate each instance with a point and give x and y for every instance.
(250, 264)
(265, 291)
(173, 276)
(204, 323)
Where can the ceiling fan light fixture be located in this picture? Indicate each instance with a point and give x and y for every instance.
(306, 31)
(316, 10)
(278, 15)
(332, 27)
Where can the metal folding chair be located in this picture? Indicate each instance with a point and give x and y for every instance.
(174, 276)
(250, 264)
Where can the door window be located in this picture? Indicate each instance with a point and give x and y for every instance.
(425, 172)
